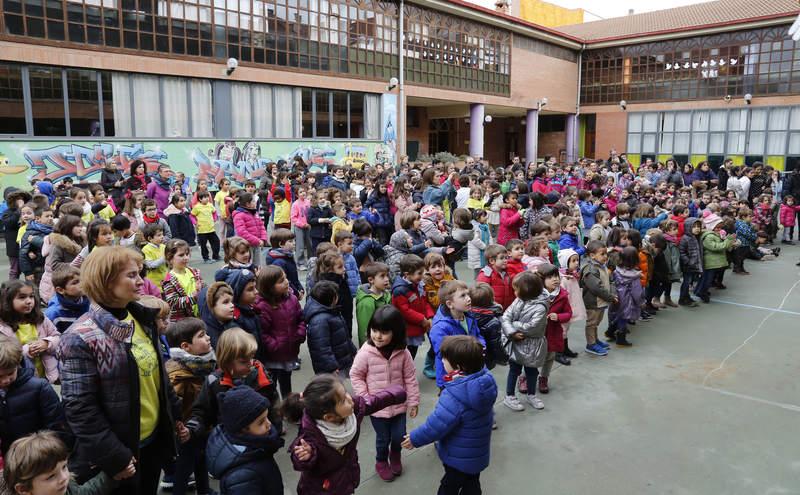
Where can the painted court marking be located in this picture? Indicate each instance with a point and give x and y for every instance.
(772, 311)
(775, 310)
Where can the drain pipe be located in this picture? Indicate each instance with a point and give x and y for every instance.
(401, 90)
(576, 139)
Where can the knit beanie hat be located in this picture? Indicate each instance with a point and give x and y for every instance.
(710, 220)
(239, 407)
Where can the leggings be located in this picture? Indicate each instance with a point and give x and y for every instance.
(514, 370)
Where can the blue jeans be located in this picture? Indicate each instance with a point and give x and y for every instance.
(688, 278)
(388, 432)
(514, 370)
(705, 282)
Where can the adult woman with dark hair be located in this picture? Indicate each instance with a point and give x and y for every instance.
(113, 183)
(673, 174)
(434, 192)
(138, 179)
(117, 398)
(534, 214)
(704, 174)
(688, 174)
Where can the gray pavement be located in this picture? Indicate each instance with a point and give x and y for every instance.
(661, 417)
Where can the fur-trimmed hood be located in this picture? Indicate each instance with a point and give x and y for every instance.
(65, 243)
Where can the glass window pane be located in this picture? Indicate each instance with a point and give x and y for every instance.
(201, 102)
(779, 119)
(356, 115)
(776, 142)
(755, 143)
(716, 143)
(635, 122)
(718, 120)
(242, 117)
(108, 103)
(147, 106)
(699, 143)
(323, 115)
(650, 122)
(794, 143)
(649, 143)
(683, 121)
(738, 120)
(700, 121)
(175, 107)
(84, 107)
(795, 120)
(340, 126)
(634, 143)
(668, 124)
(306, 107)
(12, 107)
(681, 146)
(666, 143)
(736, 143)
(758, 119)
(47, 99)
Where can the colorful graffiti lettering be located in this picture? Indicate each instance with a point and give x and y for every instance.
(82, 162)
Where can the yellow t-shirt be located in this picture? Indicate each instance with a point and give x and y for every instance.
(152, 252)
(26, 333)
(188, 282)
(21, 232)
(205, 217)
(219, 200)
(283, 212)
(340, 224)
(106, 213)
(146, 357)
(87, 217)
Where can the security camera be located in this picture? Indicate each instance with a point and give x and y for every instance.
(232, 65)
(748, 98)
(393, 82)
(488, 119)
(727, 98)
(623, 104)
(543, 103)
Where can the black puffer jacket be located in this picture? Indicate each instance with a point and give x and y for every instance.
(329, 340)
(30, 404)
(10, 222)
(488, 320)
(244, 464)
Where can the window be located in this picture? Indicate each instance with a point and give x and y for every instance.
(84, 103)
(322, 114)
(47, 101)
(308, 112)
(12, 102)
(340, 105)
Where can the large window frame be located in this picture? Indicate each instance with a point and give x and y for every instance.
(311, 114)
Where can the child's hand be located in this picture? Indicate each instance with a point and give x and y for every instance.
(518, 336)
(413, 411)
(302, 451)
(29, 278)
(31, 255)
(183, 432)
(407, 443)
(428, 243)
(552, 316)
(128, 472)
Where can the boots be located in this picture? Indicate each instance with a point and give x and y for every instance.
(430, 367)
(395, 462)
(621, 340)
(543, 388)
(523, 384)
(687, 302)
(384, 471)
(572, 354)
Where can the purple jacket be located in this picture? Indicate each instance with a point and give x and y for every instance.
(329, 472)
(160, 195)
(629, 291)
(283, 329)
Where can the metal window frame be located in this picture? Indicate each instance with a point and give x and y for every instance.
(100, 110)
(65, 101)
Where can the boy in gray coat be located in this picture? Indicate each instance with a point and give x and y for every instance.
(598, 294)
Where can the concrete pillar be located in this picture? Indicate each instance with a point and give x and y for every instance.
(532, 136)
(572, 137)
(476, 114)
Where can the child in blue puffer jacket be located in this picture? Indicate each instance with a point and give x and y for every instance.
(461, 424)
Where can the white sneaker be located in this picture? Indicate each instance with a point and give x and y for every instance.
(513, 403)
(536, 402)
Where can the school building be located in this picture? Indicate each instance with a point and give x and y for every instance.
(222, 87)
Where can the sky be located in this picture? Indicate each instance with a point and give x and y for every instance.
(609, 8)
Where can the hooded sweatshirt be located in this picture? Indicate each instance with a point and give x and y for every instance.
(366, 304)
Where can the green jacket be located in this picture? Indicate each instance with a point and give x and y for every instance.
(101, 484)
(715, 250)
(366, 304)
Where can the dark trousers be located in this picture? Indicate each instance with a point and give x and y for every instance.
(688, 278)
(455, 482)
(315, 241)
(514, 370)
(284, 379)
(148, 471)
(204, 240)
(191, 459)
(739, 255)
(413, 350)
(13, 268)
(705, 282)
(389, 433)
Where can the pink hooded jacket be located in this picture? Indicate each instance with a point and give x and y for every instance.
(46, 331)
(371, 373)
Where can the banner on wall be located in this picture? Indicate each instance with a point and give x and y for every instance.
(21, 161)
(389, 128)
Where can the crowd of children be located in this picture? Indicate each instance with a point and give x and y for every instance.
(548, 245)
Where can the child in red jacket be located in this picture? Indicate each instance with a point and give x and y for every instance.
(510, 219)
(560, 313)
(516, 251)
(408, 295)
(495, 274)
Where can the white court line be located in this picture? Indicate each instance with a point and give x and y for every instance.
(782, 405)
(776, 310)
(751, 337)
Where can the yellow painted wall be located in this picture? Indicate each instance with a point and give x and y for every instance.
(696, 159)
(776, 162)
(548, 14)
(635, 160)
(737, 159)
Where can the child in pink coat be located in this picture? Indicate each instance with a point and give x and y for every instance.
(249, 226)
(510, 219)
(383, 361)
(787, 218)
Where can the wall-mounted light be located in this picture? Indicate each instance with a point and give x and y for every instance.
(488, 119)
(393, 82)
(542, 103)
(727, 99)
(623, 105)
(232, 64)
(748, 99)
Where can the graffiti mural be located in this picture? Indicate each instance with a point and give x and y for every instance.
(238, 161)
